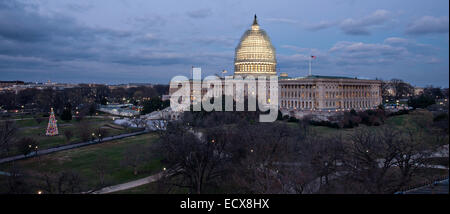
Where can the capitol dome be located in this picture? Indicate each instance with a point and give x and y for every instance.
(255, 54)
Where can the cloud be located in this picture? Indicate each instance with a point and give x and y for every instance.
(411, 45)
(428, 25)
(199, 14)
(220, 40)
(321, 25)
(281, 20)
(295, 48)
(361, 26)
(150, 21)
(363, 50)
(365, 54)
(79, 7)
(391, 50)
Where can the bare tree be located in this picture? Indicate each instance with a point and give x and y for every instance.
(101, 168)
(138, 122)
(401, 88)
(8, 130)
(134, 157)
(84, 130)
(17, 181)
(385, 161)
(65, 182)
(101, 133)
(38, 118)
(159, 126)
(68, 134)
(27, 145)
(194, 160)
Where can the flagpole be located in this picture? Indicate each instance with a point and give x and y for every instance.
(310, 65)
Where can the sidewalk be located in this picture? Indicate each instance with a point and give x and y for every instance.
(129, 185)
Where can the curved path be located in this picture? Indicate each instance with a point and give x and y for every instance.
(129, 185)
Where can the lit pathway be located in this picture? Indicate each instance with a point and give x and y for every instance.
(129, 185)
(70, 146)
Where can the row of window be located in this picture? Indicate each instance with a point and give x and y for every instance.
(339, 104)
(298, 104)
(255, 67)
(349, 94)
(298, 86)
(348, 87)
(295, 94)
(349, 104)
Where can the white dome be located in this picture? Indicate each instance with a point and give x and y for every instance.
(255, 54)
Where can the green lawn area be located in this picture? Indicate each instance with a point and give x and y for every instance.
(31, 122)
(37, 132)
(83, 161)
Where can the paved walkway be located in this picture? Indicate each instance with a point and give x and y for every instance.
(70, 146)
(5, 173)
(129, 185)
(437, 187)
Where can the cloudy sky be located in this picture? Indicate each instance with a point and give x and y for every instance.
(120, 41)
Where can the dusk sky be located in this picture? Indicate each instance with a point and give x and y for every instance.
(146, 41)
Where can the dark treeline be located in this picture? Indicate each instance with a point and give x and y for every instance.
(227, 153)
(37, 100)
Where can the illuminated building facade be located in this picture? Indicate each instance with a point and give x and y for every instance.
(255, 54)
(328, 93)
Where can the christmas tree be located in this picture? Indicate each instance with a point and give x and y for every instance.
(52, 128)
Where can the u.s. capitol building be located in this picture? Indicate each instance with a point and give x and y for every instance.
(256, 56)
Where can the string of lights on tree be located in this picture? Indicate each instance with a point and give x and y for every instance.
(52, 128)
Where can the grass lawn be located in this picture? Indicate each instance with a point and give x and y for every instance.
(83, 161)
(38, 132)
(398, 121)
(31, 122)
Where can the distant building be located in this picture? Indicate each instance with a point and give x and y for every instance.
(126, 110)
(328, 93)
(10, 83)
(418, 91)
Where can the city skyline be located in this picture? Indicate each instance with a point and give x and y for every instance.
(119, 42)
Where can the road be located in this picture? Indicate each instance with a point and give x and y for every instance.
(70, 146)
(129, 185)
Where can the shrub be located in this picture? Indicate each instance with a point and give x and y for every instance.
(293, 120)
(27, 145)
(421, 101)
(68, 134)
